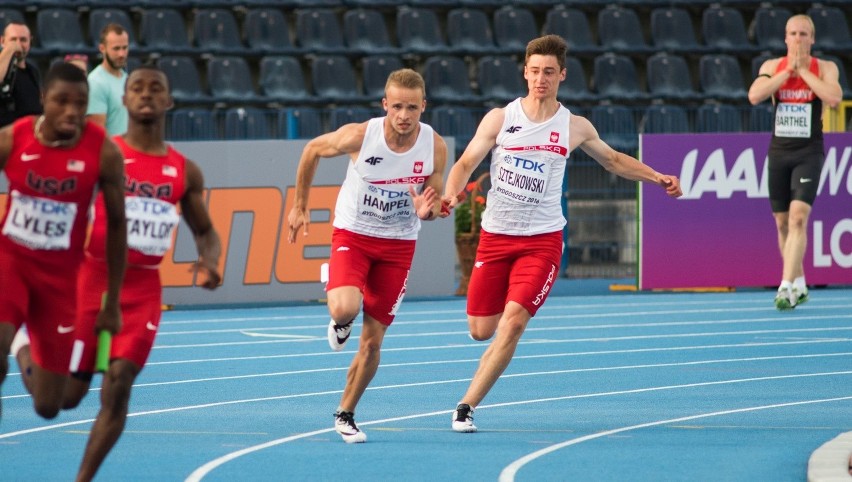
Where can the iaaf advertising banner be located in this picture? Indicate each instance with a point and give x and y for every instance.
(721, 232)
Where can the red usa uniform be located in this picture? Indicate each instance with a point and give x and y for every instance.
(154, 185)
(43, 232)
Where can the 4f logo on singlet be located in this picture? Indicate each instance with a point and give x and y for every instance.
(373, 160)
(513, 129)
(148, 189)
(51, 185)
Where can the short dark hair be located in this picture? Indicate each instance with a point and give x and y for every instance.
(548, 45)
(111, 27)
(66, 72)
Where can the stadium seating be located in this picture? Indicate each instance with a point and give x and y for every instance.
(721, 77)
(299, 123)
(616, 126)
(671, 30)
(100, 17)
(188, 124)
(575, 88)
(832, 29)
(418, 31)
(59, 32)
(724, 29)
(447, 80)
(184, 78)
(619, 30)
(500, 79)
(469, 32)
(164, 29)
(662, 118)
(246, 123)
(339, 116)
(453, 120)
(572, 25)
(230, 79)
(10, 15)
(215, 30)
(615, 78)
(267, 31)
(769, 27)
(718, 118)
(319, 31)
(333, 79)
(668, 77)
(374, 73)
(514, 28)
(282, 80)
(761, 117)
(366, 32)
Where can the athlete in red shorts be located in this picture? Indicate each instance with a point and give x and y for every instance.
(396, 166)
(54, 163)
(519, 251)
(157, 180)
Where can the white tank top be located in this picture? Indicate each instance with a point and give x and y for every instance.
(527, 167)
(374, 199)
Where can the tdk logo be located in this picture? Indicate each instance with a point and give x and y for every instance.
(373, 160)
(529, 165)
(513, 129)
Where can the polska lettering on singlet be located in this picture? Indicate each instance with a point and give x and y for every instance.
(40, 223)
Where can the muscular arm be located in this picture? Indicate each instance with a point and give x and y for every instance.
(827, 85)
(206, 239)
(763, 87)
(435, 181)
(584, 135)
(345, 140)
(478, 147)
(5, 145)
(111, 184)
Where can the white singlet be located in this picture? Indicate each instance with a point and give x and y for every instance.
(527, 167)
(374, 199)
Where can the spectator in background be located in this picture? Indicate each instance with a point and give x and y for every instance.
(106, 81)
(20, 87)
(799, 84)
(80, 60)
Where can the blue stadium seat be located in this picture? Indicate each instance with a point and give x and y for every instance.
(500, 79)
(267, 31)
(230, 79)
(281, 80)
(575, 87)
(366, 32)
(100, 17)
(662, 119)
(671, 29)
(616, 126)
(447, 80)
(418, 31)
(668, 77)
(757, 62)
(615, 77)
(334, 80)
(215, 31)
(721, 77)
(724, 29)
(572, 25)
(319, 30)
(769, 26)
(339, 116)
(190, 124)
(469, 32)
(58, 31)
(299, 123)
(163, 29)
(761, 117)
(718, 118)
(8, 15)
(246, 123)
(374, 73)
(832, 29)
(183, 77)
(514, 28)
(454, 121)
(619, 30)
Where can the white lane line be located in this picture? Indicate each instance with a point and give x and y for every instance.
(552, 330)
(509, 472)
(803, 341)
(280, 335)
(463, 321)
(205, 469)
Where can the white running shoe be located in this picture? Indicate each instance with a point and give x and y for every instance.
(786, 299)
(801, 296)
(344, 424)
(338, 335)
(21, 339)
(463, 419)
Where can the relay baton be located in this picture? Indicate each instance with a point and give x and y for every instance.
(104, 345)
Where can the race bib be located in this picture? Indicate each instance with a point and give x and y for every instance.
(793, 120)
(150, 224)
(39, 223)
(385, 203)
(520, 179)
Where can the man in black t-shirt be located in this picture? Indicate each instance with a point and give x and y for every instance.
(20, 81)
